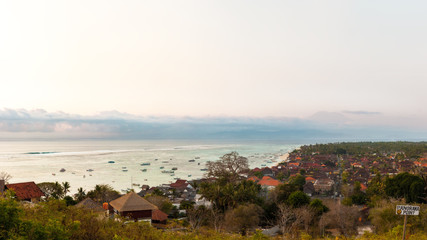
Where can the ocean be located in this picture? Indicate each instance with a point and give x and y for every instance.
(125, 164)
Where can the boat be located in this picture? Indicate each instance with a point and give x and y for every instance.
(144, 170)
(89, 170)
(189, 175)
(111, 162)
(168, 171)
(192, 160)
(174, 168)
(203, 169)
(162, 167)
(124, 170)
(145, 164)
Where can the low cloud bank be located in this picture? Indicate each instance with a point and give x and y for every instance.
(335, 126)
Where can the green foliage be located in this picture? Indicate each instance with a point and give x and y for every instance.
(103, 193)
(405, 185)
(52, 189)
(225, 195)
(383, 217)
(298, 180)
(298, 199)
(186, 204)
(163, 203)
(259, 174)
(283, 191)
(358, 197)
(9, 217)
(69, 201)
(347, 201)
(318, 207)
(411, 149)
(243, 218)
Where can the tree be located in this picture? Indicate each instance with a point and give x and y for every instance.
(51, 189)
(103, 193)
(285, 217)
(406, 185)
(298, 180)
(197, 216)
(298, 199)
(230, 167)
(80, 195)
(283, 191)
(358, 197)
(66, 187)
(5, 176)
(225, 195)
(186, 205)
(342, 217)
(163, 203)
(9, 217)
(318, 207)
(243, 218)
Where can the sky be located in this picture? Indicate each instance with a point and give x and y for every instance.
(356, 63)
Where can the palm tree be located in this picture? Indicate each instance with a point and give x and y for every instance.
(80, 195)
(66, 187)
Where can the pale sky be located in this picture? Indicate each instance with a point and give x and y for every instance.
(215, 58)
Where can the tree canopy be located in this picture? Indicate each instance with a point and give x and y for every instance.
(230, 167)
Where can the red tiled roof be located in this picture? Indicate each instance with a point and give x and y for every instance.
(310, 179)
(268, 181)
(158, 215)
(25, 190)
(253, 178)
(179, 184)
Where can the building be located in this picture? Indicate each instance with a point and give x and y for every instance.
(323, 185)
(132, 206)
(26, 191)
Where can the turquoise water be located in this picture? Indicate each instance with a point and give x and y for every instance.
(118, 163)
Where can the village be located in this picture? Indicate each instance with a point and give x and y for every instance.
(322, 176)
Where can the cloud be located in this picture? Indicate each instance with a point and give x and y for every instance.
(27, 124)
(362, 112)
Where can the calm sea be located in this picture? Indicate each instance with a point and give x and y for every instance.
(125, 164)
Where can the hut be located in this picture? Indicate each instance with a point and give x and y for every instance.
(133, 206)
(26, 191)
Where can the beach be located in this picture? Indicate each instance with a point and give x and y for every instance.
(125, 164)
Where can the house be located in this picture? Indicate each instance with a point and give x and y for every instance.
(323, 185)
(159, 217)
(180, 184)
(308, 189)
(132, 206)
(253, 178)
(26, 191)
(269, 182)
(310, 179)
(93, 206)
(267, 172)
